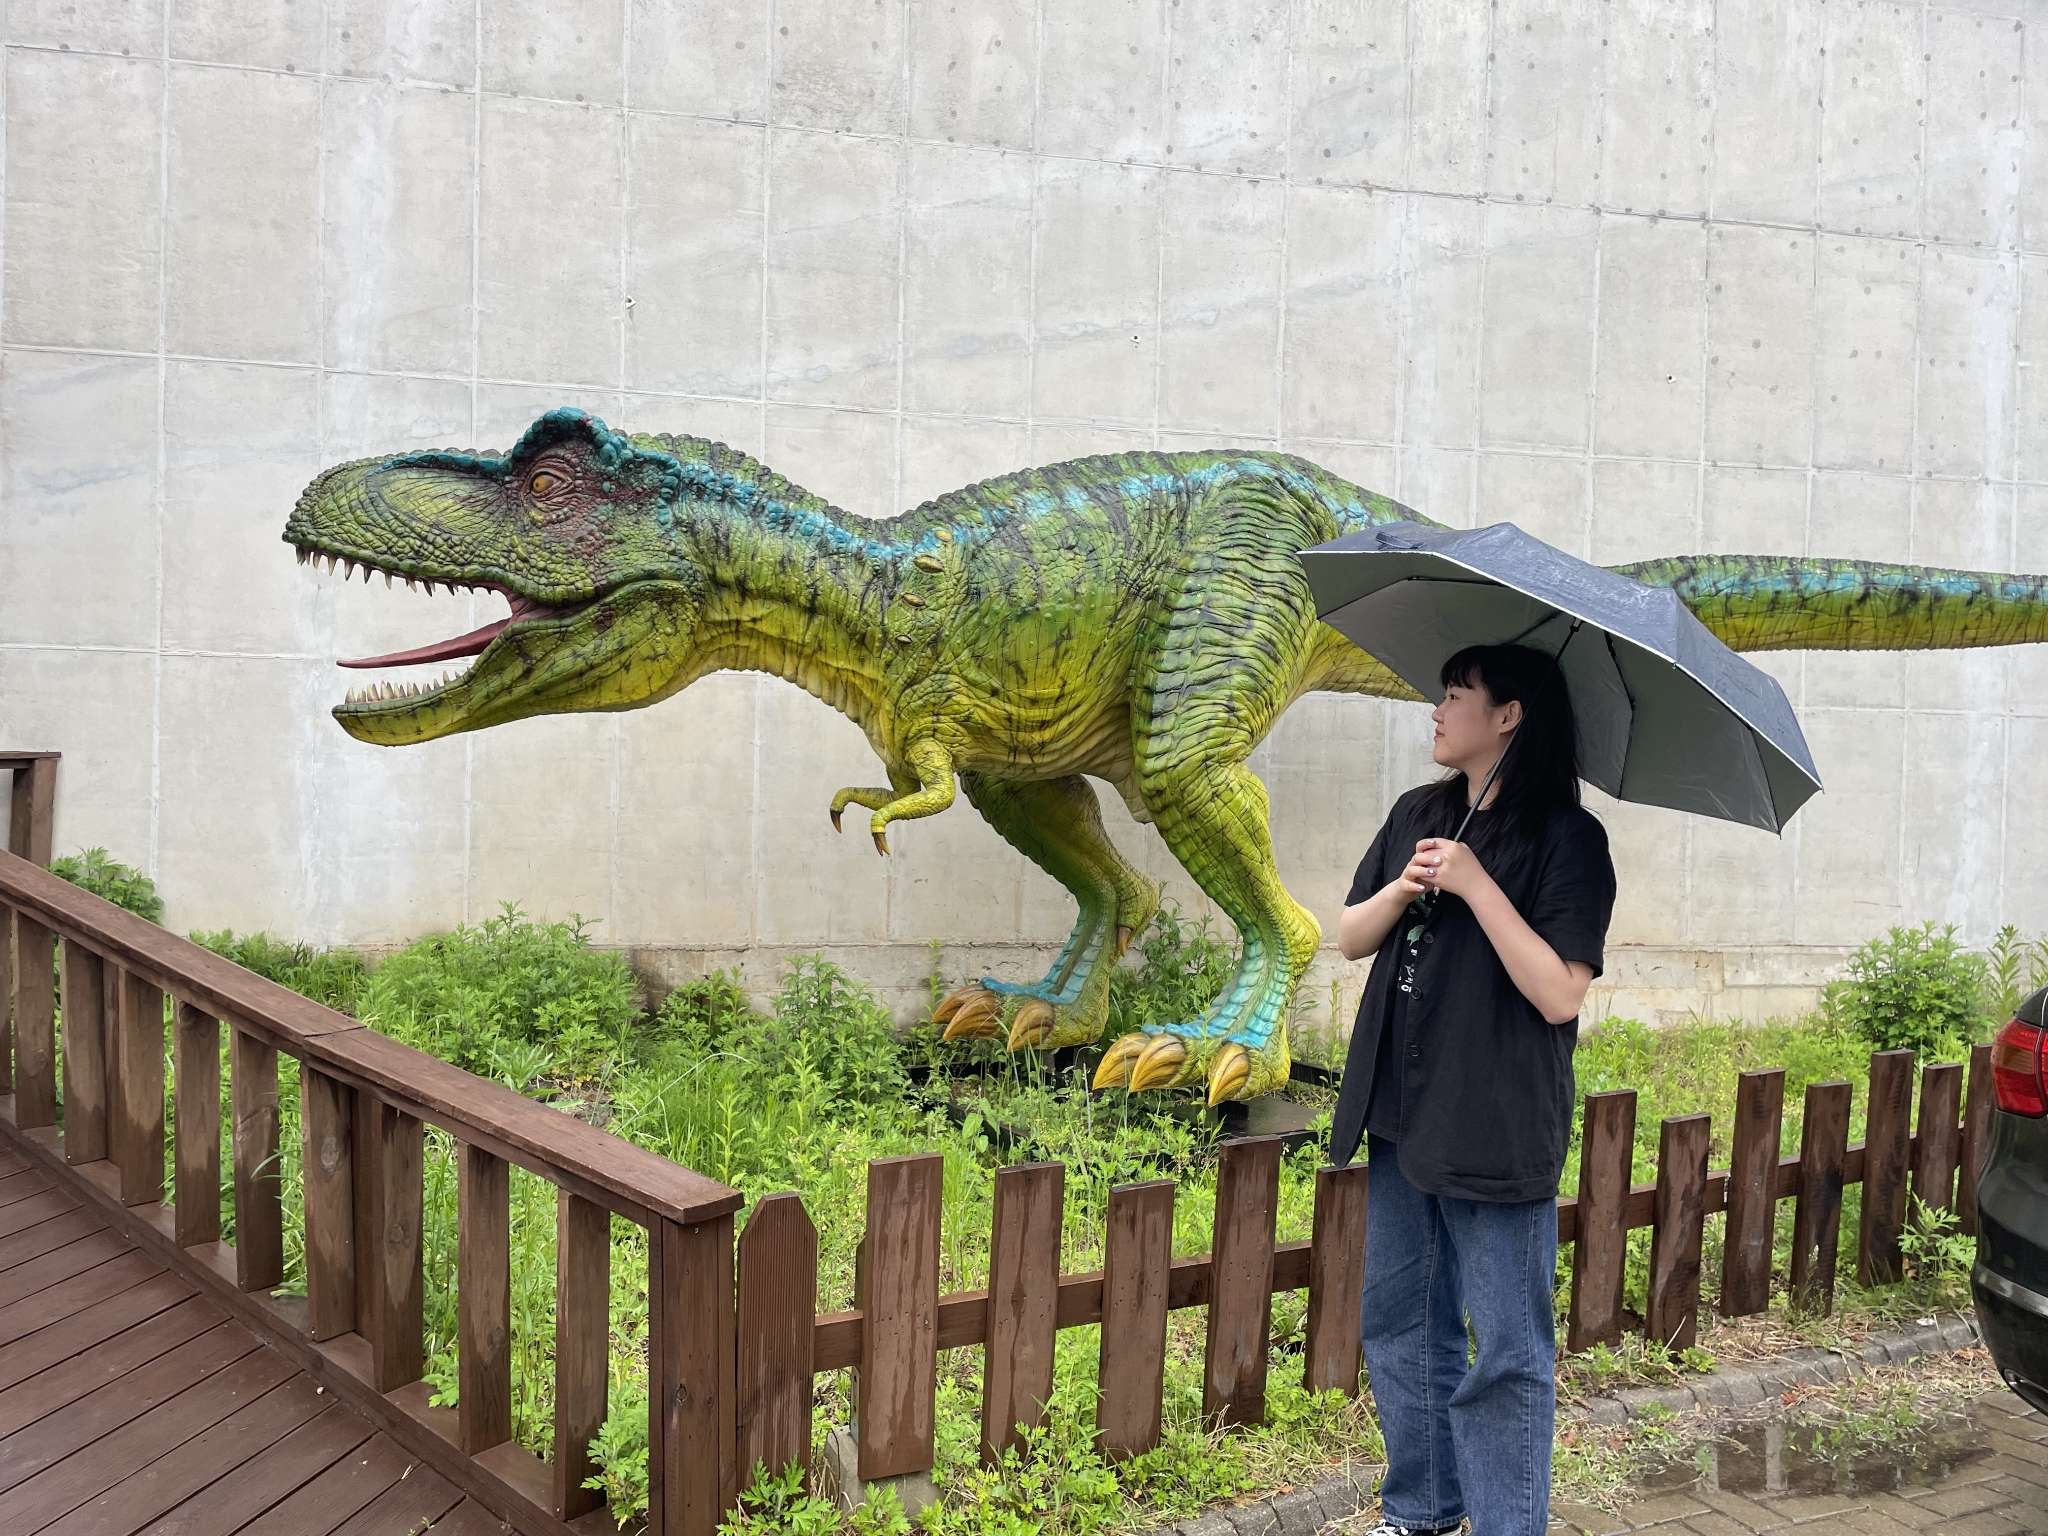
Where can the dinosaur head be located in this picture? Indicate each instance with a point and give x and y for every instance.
(572, 527)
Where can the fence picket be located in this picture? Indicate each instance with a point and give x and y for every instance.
(1888, 1128)
(483, 1300)
(778, 1272)
(1241, 1281)
(1600, 1247)
(1940, 1140)
(84, 1033)
(135, 1132)
(1752, 1193)
(1136, 1263)
(1672, 1314)
(195, 1195)
(895, 1391)
(6, 1000)
(325, 1116)
(1817, 1216)
(583, 1317)
(693, 1355)
(396, 1310)
(1976, 1137)
(259, 1211)
(35, 1024)
(1336, 1279)
(1023, 1288)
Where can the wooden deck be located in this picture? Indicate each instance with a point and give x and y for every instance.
(130, 1402)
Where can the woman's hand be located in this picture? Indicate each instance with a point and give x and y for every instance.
(1447, 866)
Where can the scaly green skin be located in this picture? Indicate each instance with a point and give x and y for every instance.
(1137, 618)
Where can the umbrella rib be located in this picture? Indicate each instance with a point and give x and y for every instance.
(1627, 693)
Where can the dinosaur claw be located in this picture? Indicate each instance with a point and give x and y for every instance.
(1033, 1025)
(974, 1015)
(1114, 1070)
(836, 827)
(882, 844)
(1159, 1064)
(1229, 1072)
(1123, 940)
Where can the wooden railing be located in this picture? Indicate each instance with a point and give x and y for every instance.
(900, 1322)
(365, 1100)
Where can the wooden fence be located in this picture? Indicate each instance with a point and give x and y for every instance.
(891, 1337)
(736, 1338)
(365, 1100)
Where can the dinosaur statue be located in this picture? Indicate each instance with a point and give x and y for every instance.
(1138, 618)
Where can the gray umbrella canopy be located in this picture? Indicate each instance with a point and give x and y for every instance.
(1667, 714)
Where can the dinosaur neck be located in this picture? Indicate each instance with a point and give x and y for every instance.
(793, 585)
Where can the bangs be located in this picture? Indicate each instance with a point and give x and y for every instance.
(1461, 670)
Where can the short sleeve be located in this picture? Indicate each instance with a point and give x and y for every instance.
(1369, 878)
(1574, 897)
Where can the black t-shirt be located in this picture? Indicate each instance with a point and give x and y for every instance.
(1485, 1088)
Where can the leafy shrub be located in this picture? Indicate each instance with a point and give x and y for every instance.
(124, 885)
(330, 976)
(1914, 989)
(464, 996)
(2014, 967)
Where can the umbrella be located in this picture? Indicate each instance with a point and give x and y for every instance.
(1667, 714)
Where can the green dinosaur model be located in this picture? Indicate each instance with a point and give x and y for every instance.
(1139, 618)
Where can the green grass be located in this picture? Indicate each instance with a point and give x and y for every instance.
(802, 1095)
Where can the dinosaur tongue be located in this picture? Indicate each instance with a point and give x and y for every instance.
(445, 650)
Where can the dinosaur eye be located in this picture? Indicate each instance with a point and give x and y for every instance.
(542, 481)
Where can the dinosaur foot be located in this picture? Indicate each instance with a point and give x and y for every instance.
(1229, 1069)
(969, 1013)
(1023, 1019)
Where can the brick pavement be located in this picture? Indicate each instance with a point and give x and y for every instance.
(2002, 1490)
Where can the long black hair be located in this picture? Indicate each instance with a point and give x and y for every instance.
(1540, 775)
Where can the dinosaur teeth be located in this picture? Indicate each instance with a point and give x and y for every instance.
(387, 581)
(429, 586)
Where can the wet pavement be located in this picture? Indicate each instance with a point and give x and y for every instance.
(1986, 1475)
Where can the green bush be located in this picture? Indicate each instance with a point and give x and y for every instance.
(1915, 989)
(512, 998)
(107, 877)
(330, 976)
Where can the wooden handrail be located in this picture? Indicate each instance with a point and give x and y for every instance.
(591, 1163)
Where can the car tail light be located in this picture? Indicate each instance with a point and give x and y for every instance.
(2016, 1070)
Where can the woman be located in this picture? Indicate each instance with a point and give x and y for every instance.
(1460, 1079)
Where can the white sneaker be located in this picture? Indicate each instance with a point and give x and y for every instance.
(1388, 1528)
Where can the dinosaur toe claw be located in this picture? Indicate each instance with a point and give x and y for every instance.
(970, 1014)
(1229, 1073)
(1032, 1026)
(1159, 1064)
(1124, 936)
(882, 843)
(836, 827)
(1114, 1070)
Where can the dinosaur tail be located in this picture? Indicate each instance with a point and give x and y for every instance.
(1770, 603)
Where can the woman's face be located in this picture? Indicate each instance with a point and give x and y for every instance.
(1471, 729)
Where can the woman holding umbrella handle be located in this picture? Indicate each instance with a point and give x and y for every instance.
(1485, 898)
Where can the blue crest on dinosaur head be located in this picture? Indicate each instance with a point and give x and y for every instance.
(612, 453)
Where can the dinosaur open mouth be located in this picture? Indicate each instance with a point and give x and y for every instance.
(473, 643)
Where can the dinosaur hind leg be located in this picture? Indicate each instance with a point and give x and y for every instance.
(1214, 818)
(1057, 824)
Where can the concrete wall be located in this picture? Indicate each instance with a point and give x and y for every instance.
(1646, 277)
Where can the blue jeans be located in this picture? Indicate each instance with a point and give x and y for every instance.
(1461, 1440)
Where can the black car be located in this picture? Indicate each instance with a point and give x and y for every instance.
(2010, 1281)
